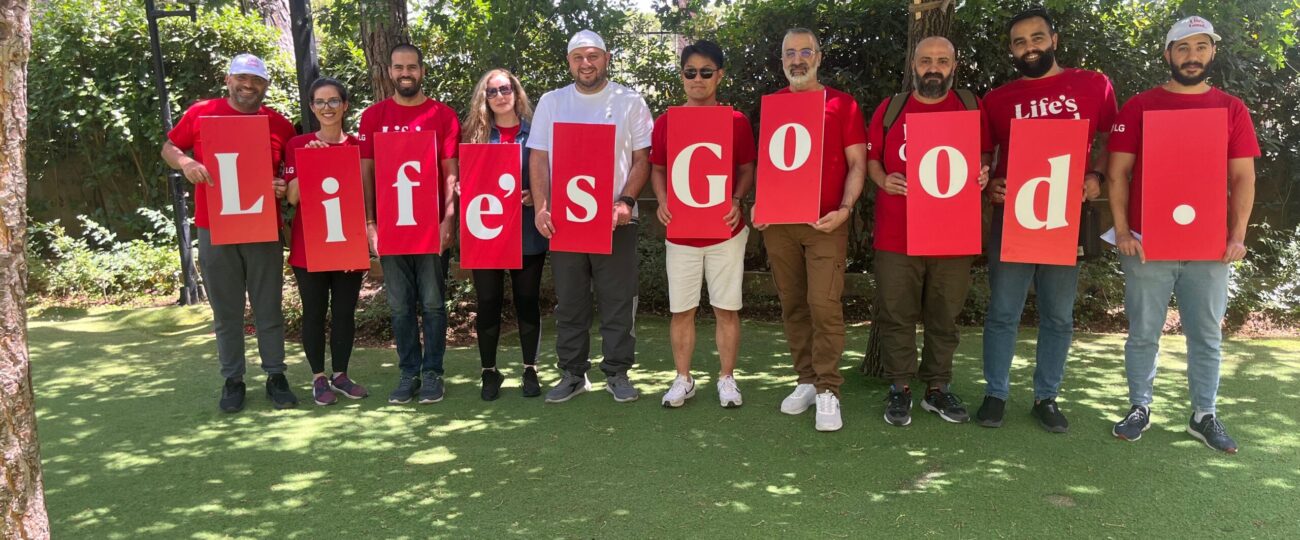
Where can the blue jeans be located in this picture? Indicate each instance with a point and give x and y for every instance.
(415, 289)
(1201, 288)
(1055, 288)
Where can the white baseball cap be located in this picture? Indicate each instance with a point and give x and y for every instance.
(586, 38)
(247, 64)
(1189, 27)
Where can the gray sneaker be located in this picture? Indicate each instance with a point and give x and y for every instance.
(570, 385)
(621, 387)
(431, 390)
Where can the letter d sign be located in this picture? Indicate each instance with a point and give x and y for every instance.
(1045, 162)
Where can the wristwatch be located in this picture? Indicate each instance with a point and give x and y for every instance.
(628, 200)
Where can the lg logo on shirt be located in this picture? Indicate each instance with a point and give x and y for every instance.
(1117, 128)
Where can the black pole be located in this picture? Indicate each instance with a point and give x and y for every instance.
(304, 52)
(190, 292)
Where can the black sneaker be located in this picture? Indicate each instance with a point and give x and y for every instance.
(898, 406)
(431, 390)
(991, 411)
(1132, 426)
(492, 380)
(277, 388)
(532, 387)
(945, 404)
(1049, 416)
(232, 396)
(1210, 431)
(405, 391)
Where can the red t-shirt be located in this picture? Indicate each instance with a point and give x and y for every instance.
(1126, 136)
(844, 127)
(889, 149)
(297, 242)
(186, 137)
(1072, 94)
(508, 134)
(742, 152)
(388, 115)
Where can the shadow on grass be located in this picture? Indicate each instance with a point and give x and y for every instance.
(134, 448)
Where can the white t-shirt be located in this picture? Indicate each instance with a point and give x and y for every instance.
(615, 104)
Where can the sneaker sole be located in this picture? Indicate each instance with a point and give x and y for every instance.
(793, 412)
(1197, 435)
(1134, 439)
(345, 394)
(231, 410)
(568, 397)
(990, 423)
(925, 405)
(625, 400)
(675, 404)
(1053, 429)
(906, 422)
(399, 401)
(324, 403)
(732, 404)
(281, 406)
(431, 401)
(829, 428)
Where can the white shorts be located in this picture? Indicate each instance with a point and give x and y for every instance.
(722, 265)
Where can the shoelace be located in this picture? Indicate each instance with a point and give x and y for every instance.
(897, 398)
(728, 384)
(680, 386)
(826, 402)
(1216, 428)
(949, 400)
(1138, 416)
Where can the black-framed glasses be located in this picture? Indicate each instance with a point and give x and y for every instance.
(504, 90)
(332, 103)
(802, 53)
(706, 73)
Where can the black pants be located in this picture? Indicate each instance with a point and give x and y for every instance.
(334, 293)
(527, 285)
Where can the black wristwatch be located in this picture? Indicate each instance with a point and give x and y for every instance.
(628, 200)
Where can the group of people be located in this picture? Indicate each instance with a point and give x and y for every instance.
(807, 260)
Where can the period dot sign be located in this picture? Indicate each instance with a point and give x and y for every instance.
(1184, 214)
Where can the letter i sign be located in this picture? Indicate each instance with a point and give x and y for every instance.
(1185, 184)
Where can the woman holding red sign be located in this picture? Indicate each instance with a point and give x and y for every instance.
(321, 291)
(499, 113)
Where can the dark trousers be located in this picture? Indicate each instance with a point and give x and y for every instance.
(415, 295)
(613, 279)
(239, 273)
(332, 294)
(526, 285)
(927, 290)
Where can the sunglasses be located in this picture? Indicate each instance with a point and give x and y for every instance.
(706, 73)
(332, 103)
(504, 90)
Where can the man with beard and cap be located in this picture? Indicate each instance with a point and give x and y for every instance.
(808, 260)
(594, 99)
(231, 272)
(1045, 90)
(1199, 287)
(415, 283)
(911, 290)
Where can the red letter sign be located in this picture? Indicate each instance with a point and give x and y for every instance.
(241, 200)
(699, 171)
(789, 185)
(582, 188)
(407, 186)
(333, 208)
(943, 191)
(491, 207)
(1185, 184)
(1045, 167)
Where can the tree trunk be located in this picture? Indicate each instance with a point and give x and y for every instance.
(383, 25)
(275, 13)
(925, 18)
(22, 497)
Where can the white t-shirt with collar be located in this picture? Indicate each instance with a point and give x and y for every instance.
(615, 104)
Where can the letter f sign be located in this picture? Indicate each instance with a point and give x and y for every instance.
(405, 198)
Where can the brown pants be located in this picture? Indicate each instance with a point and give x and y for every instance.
(808, 268)
(927, 290)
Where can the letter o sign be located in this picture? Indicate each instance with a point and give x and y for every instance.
(802, 147)
(957, 172)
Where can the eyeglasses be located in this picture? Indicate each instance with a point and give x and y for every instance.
(706, 73)
(332, 103)
(802, 53)
(503, 90)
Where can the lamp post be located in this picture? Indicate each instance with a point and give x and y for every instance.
(190, 291)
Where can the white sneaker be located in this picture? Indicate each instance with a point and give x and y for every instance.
(828, 412)
(803, 396)
(728, 394)
(683, 388)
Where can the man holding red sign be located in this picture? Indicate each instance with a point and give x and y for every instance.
(692, 261)
(414, 282)
(1045, 91)
(232, 271)
(1199, 286)
(593, 99)
(808, 259)
(916, 289)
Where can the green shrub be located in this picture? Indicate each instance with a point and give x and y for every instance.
(97, 267)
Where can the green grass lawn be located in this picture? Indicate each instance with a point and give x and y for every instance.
(134, 447)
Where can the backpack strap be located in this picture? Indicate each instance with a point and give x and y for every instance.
(967, 98)
(894, 108)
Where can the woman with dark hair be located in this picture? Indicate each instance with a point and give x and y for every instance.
(333, 292)
(499, 112)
